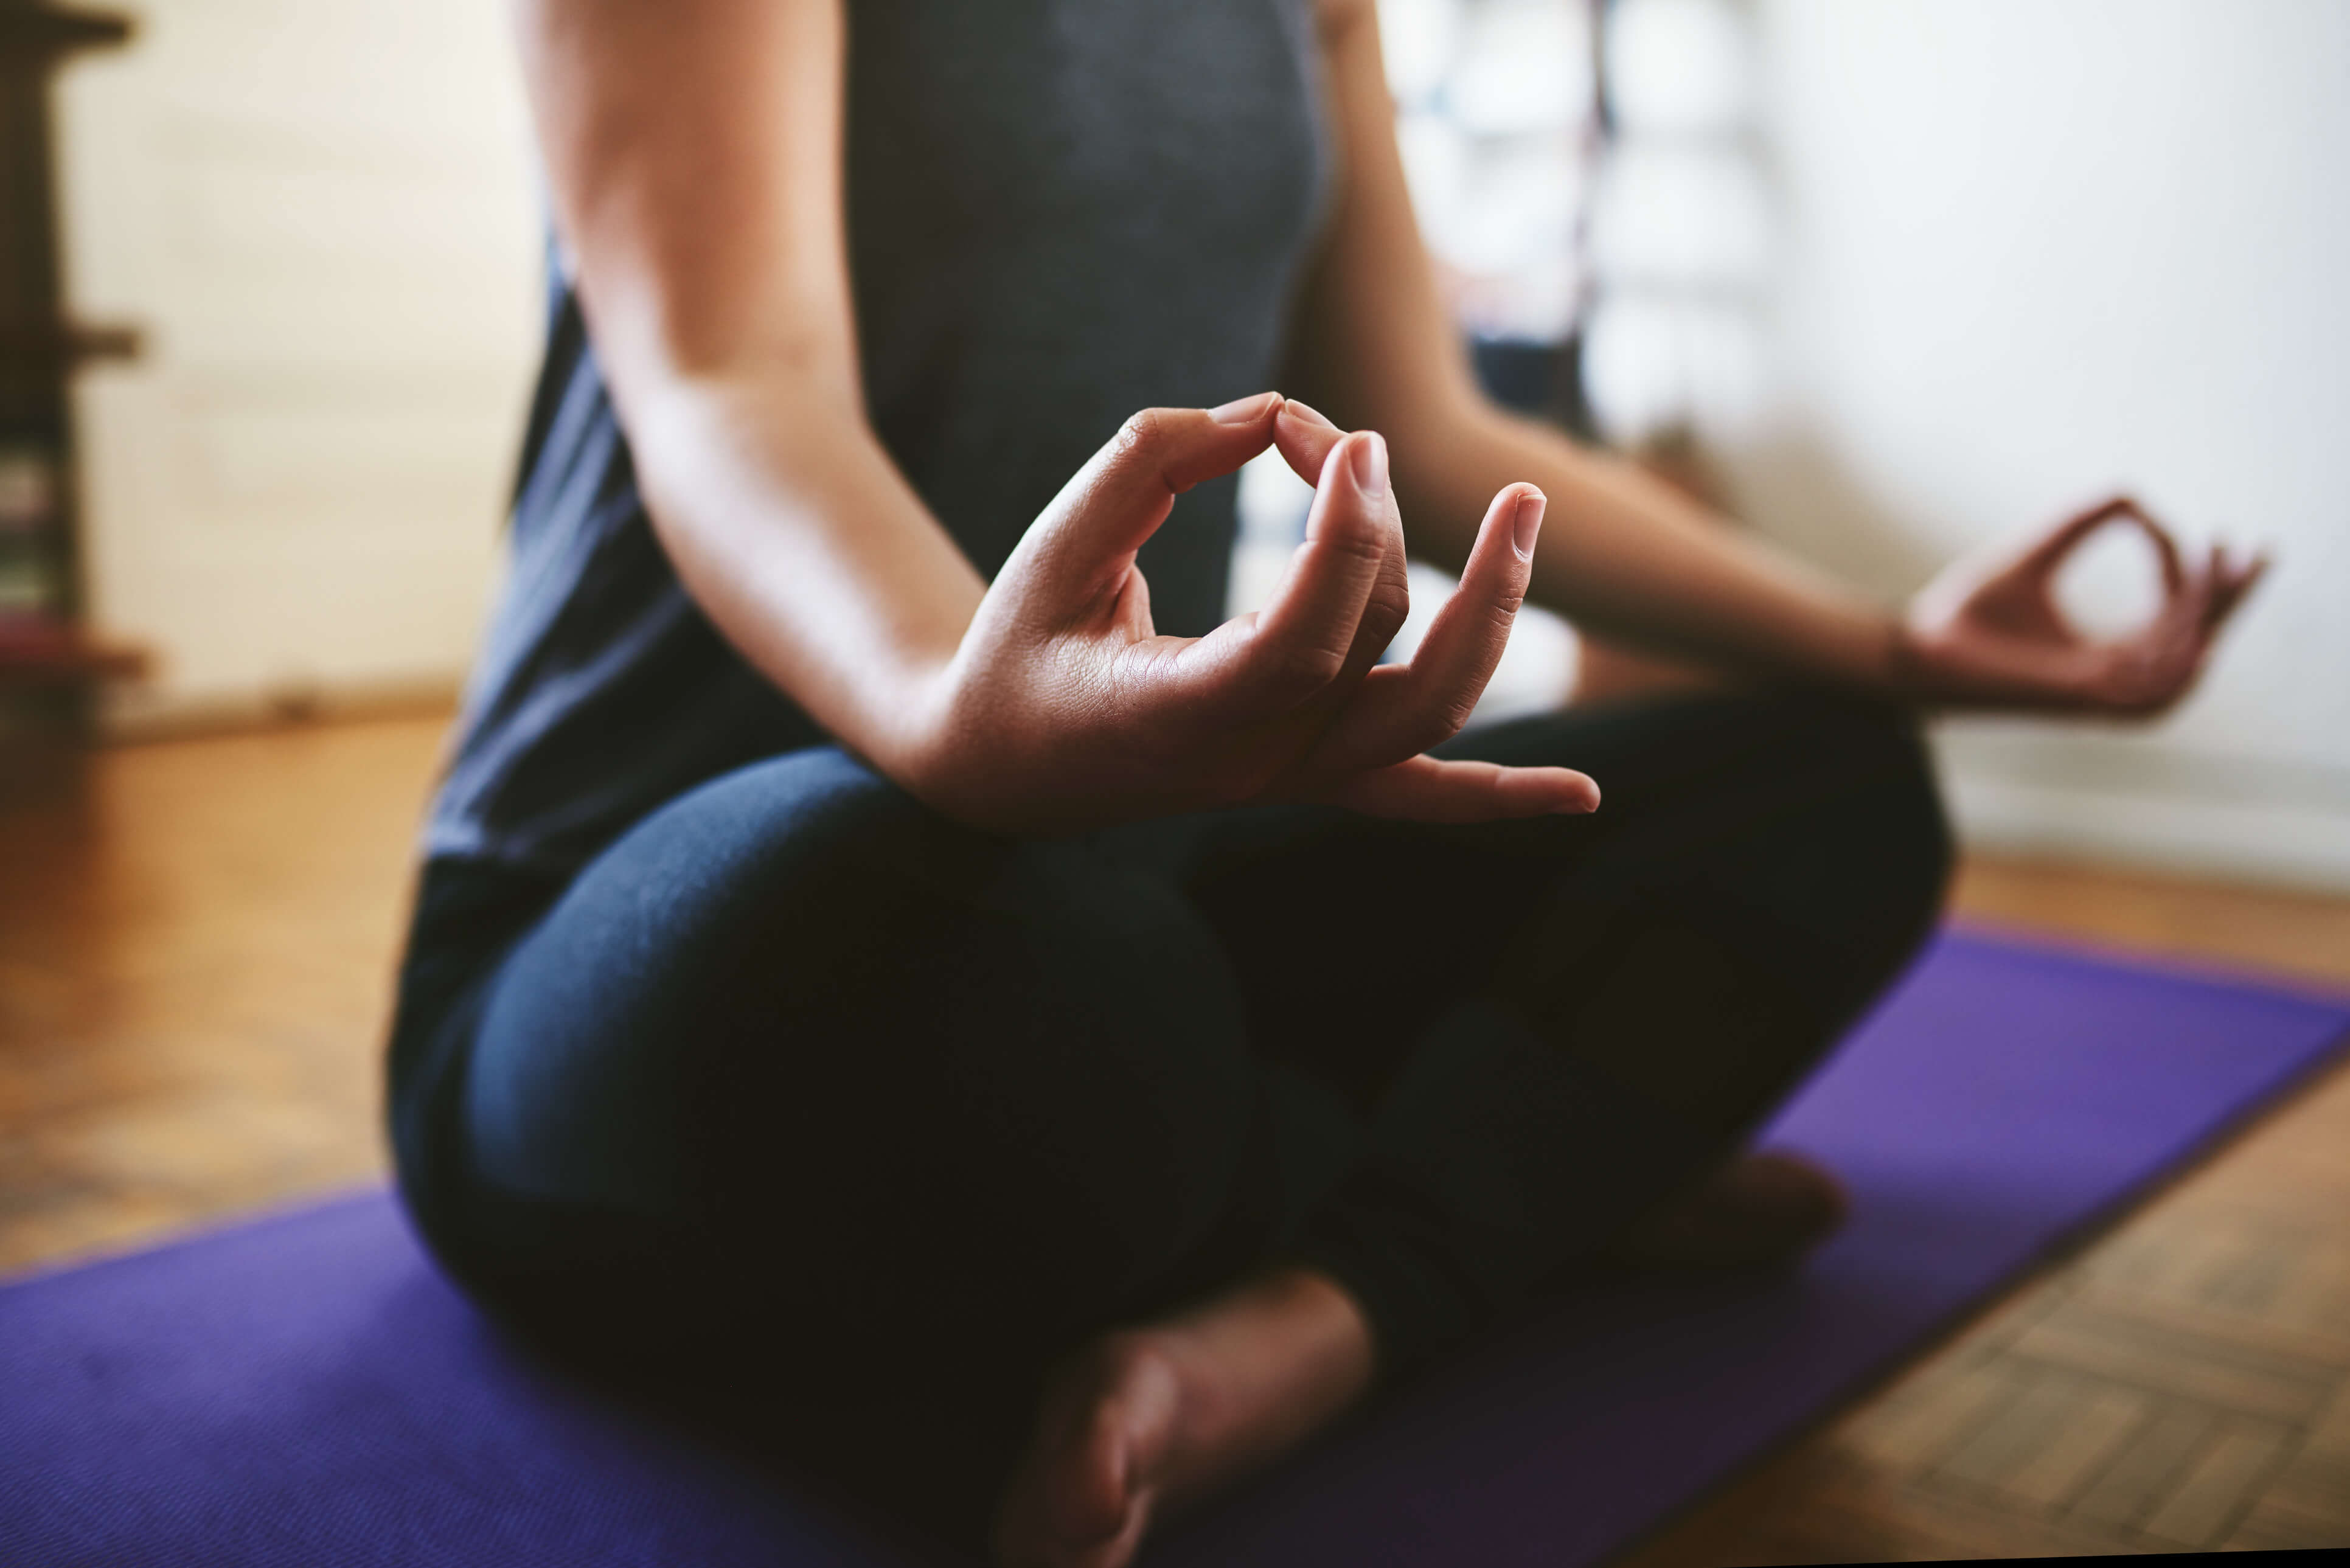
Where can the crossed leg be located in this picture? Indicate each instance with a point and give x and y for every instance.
(802, 1093)
(1772, 864)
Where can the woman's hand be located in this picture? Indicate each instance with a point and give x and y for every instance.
(1987, 632)
(1062, 710)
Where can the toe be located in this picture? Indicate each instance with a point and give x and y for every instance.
(1758, 1211)
(1082, 1497)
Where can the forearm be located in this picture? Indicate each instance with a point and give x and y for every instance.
(1626, 555)
(799, 538)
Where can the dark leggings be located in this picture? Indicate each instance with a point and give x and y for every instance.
(798, 1085)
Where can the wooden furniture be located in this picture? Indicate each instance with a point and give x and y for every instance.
(48, 660)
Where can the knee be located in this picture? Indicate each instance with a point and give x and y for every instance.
(808, 854)
(1906, 796)
(663, 956)
(1897, 835)
(797, 811)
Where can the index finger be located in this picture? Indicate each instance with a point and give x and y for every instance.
(1303, 436)
(1089, 533)
(2050, 551)
(2166, 548)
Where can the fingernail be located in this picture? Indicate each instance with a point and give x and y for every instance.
(1527, 524)
(1308, 413)
(1370, 461)
(1243, 411)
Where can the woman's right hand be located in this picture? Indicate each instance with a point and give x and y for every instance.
(1063, 709)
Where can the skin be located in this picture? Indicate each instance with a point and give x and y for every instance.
(693, 151)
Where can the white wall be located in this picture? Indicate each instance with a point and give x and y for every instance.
(2037, 249)
(322, 213)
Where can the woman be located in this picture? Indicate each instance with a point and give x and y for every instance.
(882, 941)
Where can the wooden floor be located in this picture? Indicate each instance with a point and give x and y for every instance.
(195, 948)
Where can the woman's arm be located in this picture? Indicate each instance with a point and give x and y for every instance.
(1624, 553)
(695, 149)
(1630, 557)
(694, 155)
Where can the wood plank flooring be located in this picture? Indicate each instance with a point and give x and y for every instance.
(195, 950)
(195, 955)
(2183, 1383)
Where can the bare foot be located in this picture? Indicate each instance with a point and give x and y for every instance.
(1147, 1418)
(1757, 1211)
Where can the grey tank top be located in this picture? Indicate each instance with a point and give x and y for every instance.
(1059, 211)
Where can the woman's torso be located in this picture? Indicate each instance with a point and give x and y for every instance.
(1059, 211)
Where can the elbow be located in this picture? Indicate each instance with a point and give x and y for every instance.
(806, 356)
(657, 344)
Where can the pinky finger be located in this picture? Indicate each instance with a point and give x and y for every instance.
(1425, 789)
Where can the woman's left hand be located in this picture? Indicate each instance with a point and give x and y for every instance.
(1987, 632)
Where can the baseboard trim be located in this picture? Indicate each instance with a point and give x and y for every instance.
(2295, 845)
(134, 716)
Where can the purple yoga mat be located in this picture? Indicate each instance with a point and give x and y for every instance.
(306, 1390)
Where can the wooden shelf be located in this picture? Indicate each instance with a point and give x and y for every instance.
(51, 665)
(31, 32)
(42, 651)
(64, 345)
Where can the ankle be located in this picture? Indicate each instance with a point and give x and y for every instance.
(1274, 1360)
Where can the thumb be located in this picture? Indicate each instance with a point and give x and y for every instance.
(1081, 544)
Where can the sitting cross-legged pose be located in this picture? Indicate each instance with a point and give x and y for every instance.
(886, 941)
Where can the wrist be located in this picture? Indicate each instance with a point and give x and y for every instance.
(1899, 664)
(1860, 648)
(913, 742)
